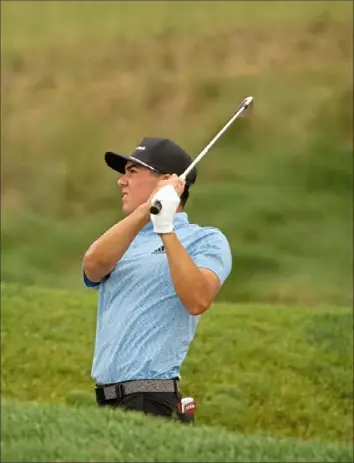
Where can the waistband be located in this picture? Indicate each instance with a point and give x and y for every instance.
(119, 390)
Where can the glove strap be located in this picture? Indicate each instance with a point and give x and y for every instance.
(173, 232)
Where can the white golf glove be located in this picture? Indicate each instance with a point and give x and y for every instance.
(163, 221)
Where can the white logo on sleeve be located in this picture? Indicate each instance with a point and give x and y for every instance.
(141, 148)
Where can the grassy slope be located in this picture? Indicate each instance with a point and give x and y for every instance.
(252, 369)
(81, 77)
(56, 433)
(88, 20)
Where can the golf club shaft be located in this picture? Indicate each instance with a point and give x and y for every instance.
(244, 105)
(157, 206)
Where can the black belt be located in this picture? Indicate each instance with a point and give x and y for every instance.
(119, 390)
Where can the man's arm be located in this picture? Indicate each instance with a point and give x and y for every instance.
(196, 287)
(104, 253)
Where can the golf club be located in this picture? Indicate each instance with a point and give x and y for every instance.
(157, 206)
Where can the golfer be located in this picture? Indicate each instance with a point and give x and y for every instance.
(156, 275)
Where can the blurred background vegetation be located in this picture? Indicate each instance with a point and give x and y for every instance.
(80, 78)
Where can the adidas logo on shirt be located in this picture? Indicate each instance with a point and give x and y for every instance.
(160, 250)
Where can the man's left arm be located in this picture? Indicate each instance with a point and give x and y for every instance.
(197, 280)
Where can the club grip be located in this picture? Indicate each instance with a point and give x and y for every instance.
(156, 207)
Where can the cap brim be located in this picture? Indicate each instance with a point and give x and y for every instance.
(116, 161)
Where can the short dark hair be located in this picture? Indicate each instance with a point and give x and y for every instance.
(185, 195)
(192, 177)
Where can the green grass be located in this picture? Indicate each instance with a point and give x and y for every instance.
(37, 432)
(79, 78)
(252, 369)
(88, 20)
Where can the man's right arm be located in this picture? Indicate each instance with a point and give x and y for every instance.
(102, 256)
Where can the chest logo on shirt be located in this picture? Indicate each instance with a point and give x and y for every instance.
(160, 250)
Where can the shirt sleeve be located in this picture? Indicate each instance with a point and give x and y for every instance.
(212, 251)
(89, 283)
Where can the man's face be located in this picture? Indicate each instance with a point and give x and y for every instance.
(137, 185)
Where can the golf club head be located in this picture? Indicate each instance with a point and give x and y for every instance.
(247, 106)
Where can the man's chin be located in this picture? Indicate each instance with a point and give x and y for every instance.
(127, 209)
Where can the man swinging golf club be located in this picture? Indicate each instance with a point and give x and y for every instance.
(157, 273)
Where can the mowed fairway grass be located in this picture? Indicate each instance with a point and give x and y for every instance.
(258, 374)
(36, 433)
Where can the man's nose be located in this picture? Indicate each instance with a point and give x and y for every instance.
(122, 180)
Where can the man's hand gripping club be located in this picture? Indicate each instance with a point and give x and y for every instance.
(168, 192)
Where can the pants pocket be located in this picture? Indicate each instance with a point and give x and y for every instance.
(132, 402)
(160, 403)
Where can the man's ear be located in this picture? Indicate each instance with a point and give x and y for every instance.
(165, 176)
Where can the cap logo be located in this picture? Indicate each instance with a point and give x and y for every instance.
(141, 148)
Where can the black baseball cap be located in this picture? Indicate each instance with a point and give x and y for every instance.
(158, 154)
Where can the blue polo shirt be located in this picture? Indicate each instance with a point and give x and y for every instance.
(143, 330)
